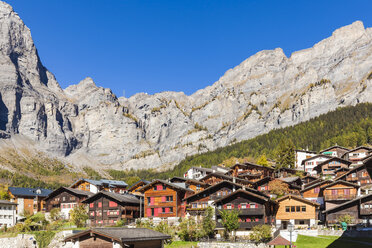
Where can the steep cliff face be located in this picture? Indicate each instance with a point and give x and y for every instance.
(89, 125)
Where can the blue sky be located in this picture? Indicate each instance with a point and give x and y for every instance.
(153, 46)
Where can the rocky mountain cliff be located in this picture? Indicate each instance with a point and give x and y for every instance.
(89, 125)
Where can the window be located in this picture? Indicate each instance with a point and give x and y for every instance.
(171, 210)
(334, 191)
(292, 208)
(194, 205)
(63, 198)
(244, 205)
(287, 209)
(149, 201)
(163, 210)
(303, 208)
(228, 206)
(99, 204)
(164, 187)
(346, 191)
(91, 205)
(169, 198)
(252, 205)
(353, 175)
(72, 198)
(298, 209)
(113, 204)
(197, 187)
(316, 190)
(152, 212)
(155, 188)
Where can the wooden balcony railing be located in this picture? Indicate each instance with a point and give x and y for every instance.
(365, 211)
(339, 197)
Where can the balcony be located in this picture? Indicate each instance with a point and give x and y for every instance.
(339, 197)
(247, 211)
(365, 211)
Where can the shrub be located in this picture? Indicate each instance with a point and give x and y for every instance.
(347, 218)
(261, 233)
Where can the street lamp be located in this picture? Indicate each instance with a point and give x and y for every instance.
(290, 229)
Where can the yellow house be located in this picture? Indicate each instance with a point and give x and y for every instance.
(296, 210)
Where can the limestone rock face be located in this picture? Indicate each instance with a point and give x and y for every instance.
(90, 126)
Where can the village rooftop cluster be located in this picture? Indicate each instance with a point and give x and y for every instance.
(322, 187)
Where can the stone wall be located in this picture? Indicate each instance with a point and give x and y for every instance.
(230, 245)
(22, 240)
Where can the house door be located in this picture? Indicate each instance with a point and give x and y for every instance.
(284, 224)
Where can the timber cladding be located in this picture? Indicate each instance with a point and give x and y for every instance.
(95, 242)
(107, 211)
(163, 202)
(63, 197)
(296, 210)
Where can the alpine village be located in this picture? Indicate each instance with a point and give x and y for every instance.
(276, 153)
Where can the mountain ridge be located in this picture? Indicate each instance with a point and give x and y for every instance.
(88, 125)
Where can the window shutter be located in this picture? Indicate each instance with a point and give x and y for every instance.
(256, 205)
(239, 206)
(232, 206)
(224, 206)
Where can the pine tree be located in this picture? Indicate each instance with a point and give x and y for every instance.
(285, 156)
(263, 161)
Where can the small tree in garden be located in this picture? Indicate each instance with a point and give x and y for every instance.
(55, 214)
(230, 221)
(208, 223)
(278, 187)
(347, 218)
(261, 233)
(79, 215)
(189, 230)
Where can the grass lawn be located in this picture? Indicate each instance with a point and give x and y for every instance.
(181, 244)
(331, 242)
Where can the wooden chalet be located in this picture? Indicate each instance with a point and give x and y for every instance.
(335, 151)
(296, 210)
(329, 167)
(29, 200)
(117, 237)
(164, 199)
(95, 186)
(357, 155)
(217, 177)
(106, 208)
(263, 185)
(66, 199)
(339, 192)
(314, 192)
(358, 175)
(341, 171)
(250, 171)
(197, 203)
(136, 186)
(359, 208)
(253, 209)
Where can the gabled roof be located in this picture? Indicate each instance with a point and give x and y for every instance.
(341, 182)
(102, 182)
(137, 183)
(262, 181)
(302, 150)
(245, 192)
(313, 182)
(76, 192)
(123, 198)
(359, 147)
(173, 179)
(288, 179)
(18, 191)
(297, 198)
(332, 147)
(121, 234)
(317, 156)
(248, 164)
(220, 185)
(176, 186)
(335, 158)
(362, 166)
(208, 170)
(226, 177)
(279, 240)
(315, 185)
(348, 202)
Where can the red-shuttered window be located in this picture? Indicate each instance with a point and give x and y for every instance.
(91, 205)
(113, 204)
(99, 204)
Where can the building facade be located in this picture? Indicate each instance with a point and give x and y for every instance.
(8, 213)
(29, 200)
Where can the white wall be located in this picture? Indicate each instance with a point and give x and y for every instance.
(8, 215)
